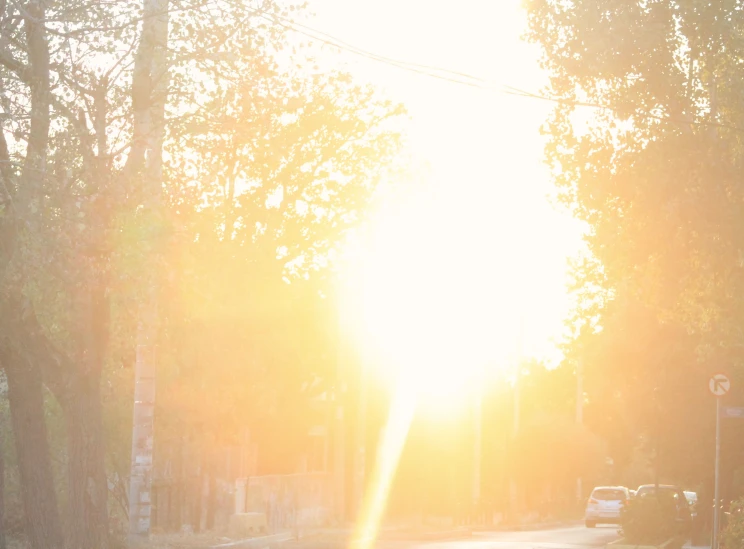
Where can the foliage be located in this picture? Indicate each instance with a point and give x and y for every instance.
(649, 520)
(554, 451)
(268, 161)
(550, 450)
(645, 147)
(653, 168)
(263, 195)
(732, 537)
(636, 393)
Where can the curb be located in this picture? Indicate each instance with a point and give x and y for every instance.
(262, 542)
(331, 539)
(284, 538)
(287, 539)
(622, 544)
(253, 543)
(531, 526)
(428, 536)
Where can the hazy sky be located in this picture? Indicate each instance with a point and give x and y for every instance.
(482, 148)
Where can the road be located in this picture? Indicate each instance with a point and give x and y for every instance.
(569, 537)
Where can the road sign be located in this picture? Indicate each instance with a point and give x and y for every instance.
(732, 412)
(719, 384)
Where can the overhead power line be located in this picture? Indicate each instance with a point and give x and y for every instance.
(457, 77)
(460, 77)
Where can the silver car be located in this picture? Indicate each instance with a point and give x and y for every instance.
(605, 504)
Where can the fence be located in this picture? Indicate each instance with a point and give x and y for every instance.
(290, 502)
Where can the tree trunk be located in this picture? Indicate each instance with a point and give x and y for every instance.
(3, 543)
(25, 390)
(25, 394)
(149, 94)
(76, 386)
(87, 481)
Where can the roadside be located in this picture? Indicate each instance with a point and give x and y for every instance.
(688, 545)
(523, 526)
(341, 537)
(331, 537)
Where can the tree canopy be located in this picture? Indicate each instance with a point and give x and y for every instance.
(225, 154)
(644, 144)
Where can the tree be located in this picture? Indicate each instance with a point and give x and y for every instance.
(21, 190)
(264, 186)
(652, 166)
(654, 171)
(551, 449)
(286, 168)
(86, 106)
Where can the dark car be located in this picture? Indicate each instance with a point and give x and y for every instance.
(692, 498)
(684, 515)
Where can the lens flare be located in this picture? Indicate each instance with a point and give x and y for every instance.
(393, 439)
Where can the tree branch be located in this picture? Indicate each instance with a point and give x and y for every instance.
(16, 66)
(5, 173)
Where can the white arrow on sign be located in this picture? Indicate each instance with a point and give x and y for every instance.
(719, 385)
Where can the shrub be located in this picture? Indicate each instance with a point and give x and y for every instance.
(649, 520)
(732, 536)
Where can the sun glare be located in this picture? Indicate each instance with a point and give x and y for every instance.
(444, 289)
(391, 446)
(433, 296)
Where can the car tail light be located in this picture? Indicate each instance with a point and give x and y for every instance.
(593, 501)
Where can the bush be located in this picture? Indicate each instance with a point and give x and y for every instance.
(732, 536)
(649, 520)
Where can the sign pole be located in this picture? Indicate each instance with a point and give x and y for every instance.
(719, 384)
(718, 467)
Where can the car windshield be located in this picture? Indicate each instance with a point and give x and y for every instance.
(608, 494)
(664, 491)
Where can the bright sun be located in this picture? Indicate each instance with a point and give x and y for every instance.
(441, 281)
(434, 296)
(438, 287)
(443, 285)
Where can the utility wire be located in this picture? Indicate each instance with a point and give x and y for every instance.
(459, 77)
(337, 42)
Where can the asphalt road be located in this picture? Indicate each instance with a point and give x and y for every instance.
(570, 537)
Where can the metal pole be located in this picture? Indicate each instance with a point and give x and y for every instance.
(361, 438)
(579, 394)
(579, 417)
(477, 451)
(513, 490)
(520, 357)
(718, 466)
(339, 438)
(657, 443)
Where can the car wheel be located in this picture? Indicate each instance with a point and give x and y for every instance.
(591, 524)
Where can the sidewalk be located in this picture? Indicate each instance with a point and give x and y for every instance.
(688, 545)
